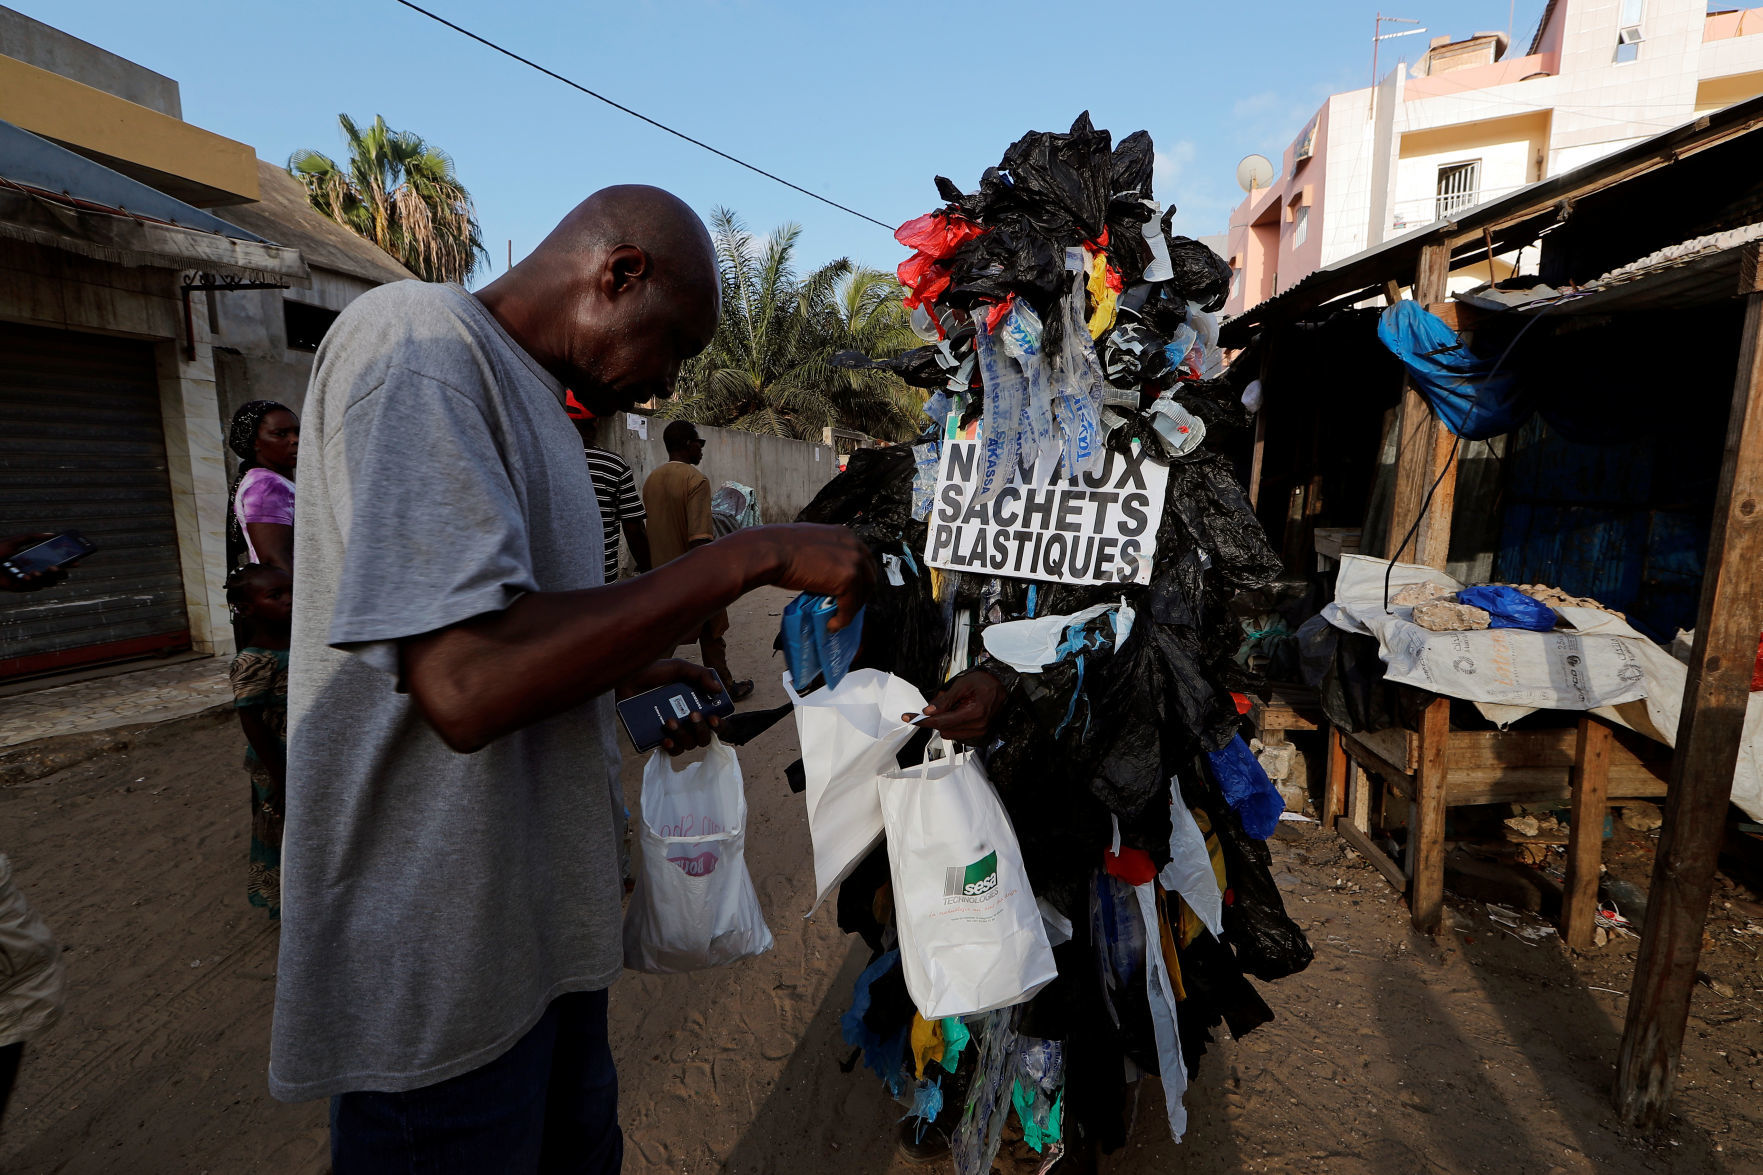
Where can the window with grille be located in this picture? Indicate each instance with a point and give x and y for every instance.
(1459, 187)
(1301, 226)
(1628, 34)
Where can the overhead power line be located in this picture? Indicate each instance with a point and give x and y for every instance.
(645, 118)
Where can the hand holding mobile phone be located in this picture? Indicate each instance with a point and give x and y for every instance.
(645, 716)
(28, 564)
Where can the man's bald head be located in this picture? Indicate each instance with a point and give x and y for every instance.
(620, 293)
(656, 221)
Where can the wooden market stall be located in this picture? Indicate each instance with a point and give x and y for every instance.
(1661, 247)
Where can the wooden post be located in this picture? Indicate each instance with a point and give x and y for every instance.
(1334, 790)
(1585, 837)
(1714, 700)
(1358, 812)
(1424, 447)
(1255, 461)
(1426, 824)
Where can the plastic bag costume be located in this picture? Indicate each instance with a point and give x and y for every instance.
(1059, 310)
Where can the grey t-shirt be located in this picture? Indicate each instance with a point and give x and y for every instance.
(433, 903)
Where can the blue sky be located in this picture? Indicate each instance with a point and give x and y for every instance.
(864, 103)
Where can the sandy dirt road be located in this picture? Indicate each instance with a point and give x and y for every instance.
(1393, 1054)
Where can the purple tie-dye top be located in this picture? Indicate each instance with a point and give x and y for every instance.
(264, 496)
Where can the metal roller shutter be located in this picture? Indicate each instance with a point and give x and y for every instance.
(82, 447)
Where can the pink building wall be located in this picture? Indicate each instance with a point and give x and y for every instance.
(1743, 23)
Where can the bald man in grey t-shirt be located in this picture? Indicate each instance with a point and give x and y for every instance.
(450, 889)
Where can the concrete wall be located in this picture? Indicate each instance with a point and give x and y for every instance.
(51, 49)
(183, 161)
(252, 358)
(786, 474)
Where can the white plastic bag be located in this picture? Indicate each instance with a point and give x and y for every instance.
(694, 905)
(971, 935)
(849, 737)
(1028, 646)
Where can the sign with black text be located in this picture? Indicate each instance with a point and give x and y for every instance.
(1095, 528)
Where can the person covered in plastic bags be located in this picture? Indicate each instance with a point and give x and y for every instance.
(1065, 321)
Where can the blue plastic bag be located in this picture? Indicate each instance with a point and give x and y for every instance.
(810, 650)
(886, 1057)
(1509, 608)
(1246, 786)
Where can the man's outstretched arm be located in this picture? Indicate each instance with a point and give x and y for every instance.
(552, 651)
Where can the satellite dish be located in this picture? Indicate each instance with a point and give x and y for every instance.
(1255, 171)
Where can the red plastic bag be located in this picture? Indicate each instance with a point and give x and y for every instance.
(1757, 670)
(937, 234)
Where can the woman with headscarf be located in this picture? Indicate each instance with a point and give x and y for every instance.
(266, 437)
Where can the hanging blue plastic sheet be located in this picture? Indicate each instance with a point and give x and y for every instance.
(1461, 387)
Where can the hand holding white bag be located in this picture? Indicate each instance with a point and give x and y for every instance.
(971, 935)
(694, 905)
(850, 737)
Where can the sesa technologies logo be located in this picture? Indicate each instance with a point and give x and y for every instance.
(975, 881)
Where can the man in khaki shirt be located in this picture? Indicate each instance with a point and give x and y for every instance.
(677, 499)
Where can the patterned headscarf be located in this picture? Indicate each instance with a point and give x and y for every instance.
(241, 438)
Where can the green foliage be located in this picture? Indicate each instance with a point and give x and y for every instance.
(401, 193)
(769, 369)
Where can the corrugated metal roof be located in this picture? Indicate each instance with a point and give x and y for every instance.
(32, 161)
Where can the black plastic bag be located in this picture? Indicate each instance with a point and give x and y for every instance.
(1130, 168)
(918, 367)
(1060, 184)
(1268, 944)
(873, 496)
(1007, 260)
(1200, 274)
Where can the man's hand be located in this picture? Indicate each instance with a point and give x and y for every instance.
(697, 729)
(964, 710)
(823, 560)
(36, 580)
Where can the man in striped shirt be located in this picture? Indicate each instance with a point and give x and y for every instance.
(621, 508)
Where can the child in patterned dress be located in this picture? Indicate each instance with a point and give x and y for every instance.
(261, 599)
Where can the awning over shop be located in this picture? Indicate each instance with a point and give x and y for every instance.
(54, 197)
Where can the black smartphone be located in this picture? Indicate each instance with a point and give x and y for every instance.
(645, 716)
(49, 554)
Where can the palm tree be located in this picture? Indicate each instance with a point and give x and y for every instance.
(769, 368)
(401, 193)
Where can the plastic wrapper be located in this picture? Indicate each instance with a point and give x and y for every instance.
(981, 1128)
(1006, 415)
(811, 649)
(1077, 383)
(925, 458)
(1021, 339)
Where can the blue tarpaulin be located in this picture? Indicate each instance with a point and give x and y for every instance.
(1459, 385)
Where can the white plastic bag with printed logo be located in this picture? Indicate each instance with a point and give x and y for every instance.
(971, 935)
(694, 905)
